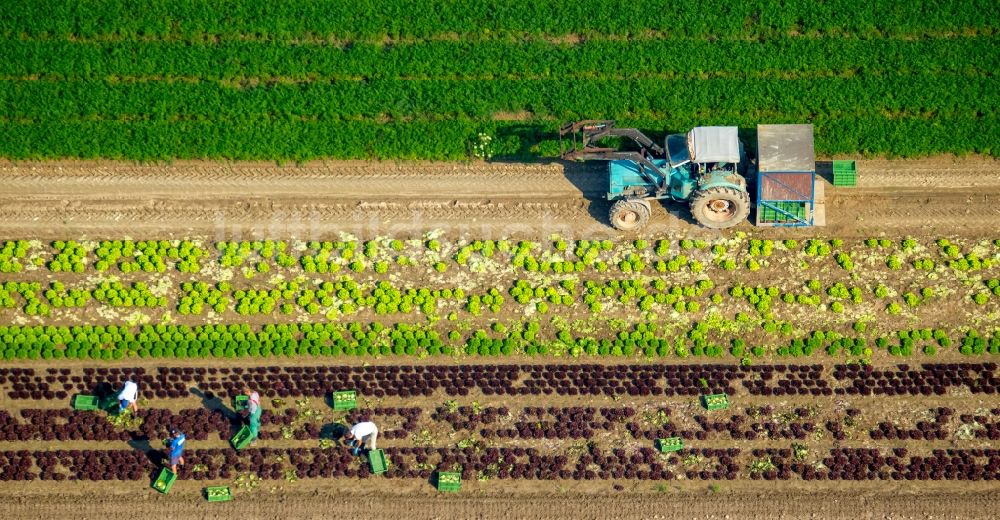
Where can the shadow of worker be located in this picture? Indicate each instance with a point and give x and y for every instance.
(333, 432)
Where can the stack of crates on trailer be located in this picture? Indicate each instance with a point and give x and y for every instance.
(845, 173)
(784, 212)
(786, 175)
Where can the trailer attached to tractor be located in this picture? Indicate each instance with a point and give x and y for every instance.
(708, 167)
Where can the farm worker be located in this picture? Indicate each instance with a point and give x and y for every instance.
(362, 434)
(176, 447)
(253, 406)
(128, 396)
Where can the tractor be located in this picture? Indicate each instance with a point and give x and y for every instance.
(707, 167)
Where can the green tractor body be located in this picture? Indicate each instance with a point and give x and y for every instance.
(707, 167)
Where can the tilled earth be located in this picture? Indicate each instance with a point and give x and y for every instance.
(188, 199)
(100, 502)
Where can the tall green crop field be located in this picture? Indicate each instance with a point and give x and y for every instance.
(421, 79)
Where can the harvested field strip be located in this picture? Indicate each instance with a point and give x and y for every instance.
(502, 59)
(431, 17)
(418, 297)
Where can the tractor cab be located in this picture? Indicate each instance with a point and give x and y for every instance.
(709, 148)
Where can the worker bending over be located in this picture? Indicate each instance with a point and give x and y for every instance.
(176, 447)
(253, 406)
(360, 435)
(128, 396)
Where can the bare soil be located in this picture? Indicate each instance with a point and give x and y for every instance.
(485, 200)
(103, 502)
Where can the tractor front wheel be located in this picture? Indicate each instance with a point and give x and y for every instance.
(720, 207)
(629, 214)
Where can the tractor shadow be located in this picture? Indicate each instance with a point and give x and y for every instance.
(538, 144)
(530, 139)
(590, 178)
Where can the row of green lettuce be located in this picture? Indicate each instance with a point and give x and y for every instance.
(485, 18)
(113, 342)
(495, 59)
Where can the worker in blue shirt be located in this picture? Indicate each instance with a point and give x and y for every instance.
(176, 447)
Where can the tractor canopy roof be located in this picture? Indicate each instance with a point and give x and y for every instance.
(709, 144)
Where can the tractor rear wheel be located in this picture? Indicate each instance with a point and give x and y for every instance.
(629, 214)
(720, 207)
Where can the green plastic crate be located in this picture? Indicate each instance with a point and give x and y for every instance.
(670, 444)
(241, 402)
(376, 461)
(85, 402)
(164, 481)
(715, 401)
(845, 173)
(345, 400)
(218, 494)
(449, 481)
(771, 213)
(241, 439)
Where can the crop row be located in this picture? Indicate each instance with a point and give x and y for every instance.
(493, 59)
(508, 463)
(559, 256)
(263, 138)
(356, 339)
(117, 82)
(341, 278)
(572, 380)
(345, 297)
(491, 423)
(562, 98)
(283, 120)
(493, 18)
(197, 424)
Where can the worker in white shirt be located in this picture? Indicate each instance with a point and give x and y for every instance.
(360, 435)
(128, 396)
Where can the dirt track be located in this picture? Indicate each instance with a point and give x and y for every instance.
(686, 505)
(48, 200)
